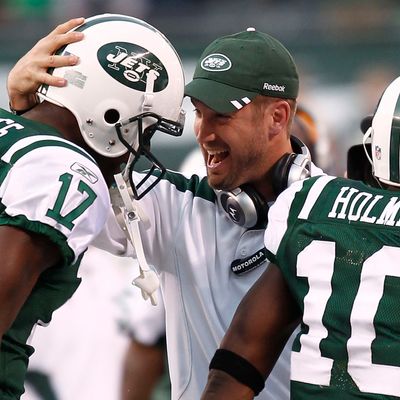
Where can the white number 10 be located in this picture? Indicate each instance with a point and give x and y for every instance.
(308, 365)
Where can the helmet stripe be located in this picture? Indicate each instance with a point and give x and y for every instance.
(113, 17)
(106, 18)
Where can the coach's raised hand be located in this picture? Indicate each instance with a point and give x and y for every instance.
(31, 70)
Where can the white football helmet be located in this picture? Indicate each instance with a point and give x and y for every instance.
(384, 130)
(129, 82)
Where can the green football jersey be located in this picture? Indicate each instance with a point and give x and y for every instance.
(337, 243)
(52, 187)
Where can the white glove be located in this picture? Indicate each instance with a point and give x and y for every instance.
(148, 283)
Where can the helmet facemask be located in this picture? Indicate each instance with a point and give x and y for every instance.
(143, 147)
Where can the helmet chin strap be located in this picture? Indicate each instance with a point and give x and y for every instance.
(132, 214)
(148, 96)
(148, 99)
(367, 136)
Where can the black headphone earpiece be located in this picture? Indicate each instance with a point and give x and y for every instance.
(280, 172)
(245, 206)
(291, 167)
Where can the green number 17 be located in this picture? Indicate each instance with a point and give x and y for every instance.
(55, 212)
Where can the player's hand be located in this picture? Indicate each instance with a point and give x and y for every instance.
(31, 70)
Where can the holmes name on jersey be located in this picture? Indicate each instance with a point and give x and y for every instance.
(355, 205)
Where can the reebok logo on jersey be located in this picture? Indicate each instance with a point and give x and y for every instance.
(216, 63)
(85, 172)
(133, 66)
(244, 265)
(274, 88)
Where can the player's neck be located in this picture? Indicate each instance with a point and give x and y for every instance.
(57, 117)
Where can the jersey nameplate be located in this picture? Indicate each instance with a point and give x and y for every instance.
(244, 265)
(353, 205)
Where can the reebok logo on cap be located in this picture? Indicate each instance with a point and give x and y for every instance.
(276, 88)
(216, 62)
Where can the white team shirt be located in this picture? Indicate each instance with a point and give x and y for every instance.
(36, 179)
(192, 243)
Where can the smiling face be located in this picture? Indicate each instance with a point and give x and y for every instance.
(241, 147)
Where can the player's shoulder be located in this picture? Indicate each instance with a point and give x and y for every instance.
(18, 132)
(22, 138)
(14, 128)
(297, 198)
(304, 186)
(37, 154)
(297, 195)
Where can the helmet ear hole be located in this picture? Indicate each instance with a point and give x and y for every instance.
(111, 116)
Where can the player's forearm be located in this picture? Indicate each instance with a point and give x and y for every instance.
(223, 386)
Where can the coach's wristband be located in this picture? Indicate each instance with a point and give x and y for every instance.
(239, 368)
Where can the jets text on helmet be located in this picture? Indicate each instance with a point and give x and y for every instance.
(136, 65)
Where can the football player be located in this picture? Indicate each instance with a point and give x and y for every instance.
(58, 161)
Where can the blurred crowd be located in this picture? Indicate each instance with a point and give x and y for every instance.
(342, 59)
(315, 28)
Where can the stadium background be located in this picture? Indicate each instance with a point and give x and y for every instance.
(347, 51)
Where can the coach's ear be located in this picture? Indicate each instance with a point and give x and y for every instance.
(279, 112)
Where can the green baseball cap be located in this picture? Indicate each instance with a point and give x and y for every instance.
(234, 69)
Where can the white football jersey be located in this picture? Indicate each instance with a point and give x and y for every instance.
(206, 265)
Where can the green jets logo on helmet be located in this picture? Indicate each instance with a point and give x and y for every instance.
(216, 62)
(132, 66)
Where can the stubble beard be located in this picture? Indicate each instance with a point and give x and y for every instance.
(240, 173)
